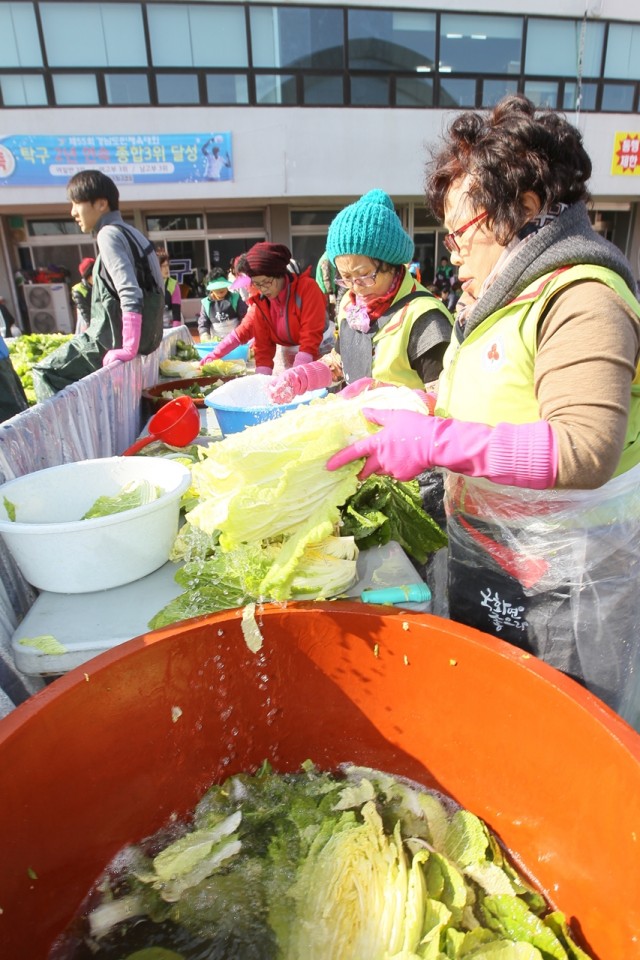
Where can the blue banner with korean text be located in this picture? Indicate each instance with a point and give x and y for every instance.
(126, 158)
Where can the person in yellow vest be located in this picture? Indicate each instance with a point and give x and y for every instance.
(172, 310)
(81, 294)
(537, 413)
(390, 328)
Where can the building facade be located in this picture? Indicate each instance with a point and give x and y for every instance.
(224, 123)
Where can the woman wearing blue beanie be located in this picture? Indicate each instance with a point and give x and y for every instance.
(390, 328)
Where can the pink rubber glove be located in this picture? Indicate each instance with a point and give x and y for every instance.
(521, 455)
(297, 380)
(266, 371)
(226, 345)
(131, 329)
(301, 357)
(366, 383)
(359, 386)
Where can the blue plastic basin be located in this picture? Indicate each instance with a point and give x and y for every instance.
(235, 419)
(240, 353)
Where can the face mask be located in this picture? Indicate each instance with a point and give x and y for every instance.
(357, 315)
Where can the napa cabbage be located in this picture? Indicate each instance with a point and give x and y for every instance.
(266, 514)
(308, 866)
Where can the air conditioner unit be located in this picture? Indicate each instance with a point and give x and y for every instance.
(49, 307)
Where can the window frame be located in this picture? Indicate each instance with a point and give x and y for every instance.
(343, 76)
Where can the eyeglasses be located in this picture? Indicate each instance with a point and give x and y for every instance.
(263, 284)
(451, 241)
(367, 280)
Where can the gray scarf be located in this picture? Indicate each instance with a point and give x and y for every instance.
(566, 241)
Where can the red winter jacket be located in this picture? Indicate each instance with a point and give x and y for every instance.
(304, 320)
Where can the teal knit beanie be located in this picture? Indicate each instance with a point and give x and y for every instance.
(370, 227)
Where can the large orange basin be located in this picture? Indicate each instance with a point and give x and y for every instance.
(105, 754)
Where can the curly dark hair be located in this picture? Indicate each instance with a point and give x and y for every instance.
(507, 152)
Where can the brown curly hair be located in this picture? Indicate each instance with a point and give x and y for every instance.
(507, 152)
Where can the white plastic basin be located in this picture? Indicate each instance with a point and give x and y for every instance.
(59, 552)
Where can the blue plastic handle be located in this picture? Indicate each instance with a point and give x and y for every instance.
(413, 593)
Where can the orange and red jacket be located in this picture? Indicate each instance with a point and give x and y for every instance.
(305, 311)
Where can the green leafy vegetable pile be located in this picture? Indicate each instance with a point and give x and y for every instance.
(383, 509)
(27, 350)
(174, 369)
(186, 351)
(197, 391)
(265, 524)
(310, 867)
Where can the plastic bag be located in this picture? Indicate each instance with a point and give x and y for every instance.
(556, 572)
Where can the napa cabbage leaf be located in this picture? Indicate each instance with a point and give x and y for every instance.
(135, 493)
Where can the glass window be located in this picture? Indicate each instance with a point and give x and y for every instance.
(423, 217)
(123, 88)
(456, 92)
(494, 90)
(555, 47)
(312, 218)
(588, 98)
(23, 90)
(323, 90)
(177, 88)
(238, 220)
(19, 41)
(297, 37)
(623, 52)
(414, 92)
(618, 97)
(222, 251)
(53, 228)
(175, 221)
(227, 88)
(544, 93)
(307, 250)
(425, 254)
(96, 35)
(188, 35)
(391, 40)
(75, 88)
(471, 43)
(189, 253)
(272, 88)
(370, 91)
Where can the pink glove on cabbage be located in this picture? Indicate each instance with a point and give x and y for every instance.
(359, 386)
(302, 357)
(131, 329)
(226, 345)
(367, 383)
(297, 380)
(522, 455)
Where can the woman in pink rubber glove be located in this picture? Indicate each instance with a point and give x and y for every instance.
(538, 418)
(390, 329)
(287, 310)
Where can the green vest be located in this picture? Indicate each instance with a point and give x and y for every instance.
(489, 377)
(232, 296)
(390, 344)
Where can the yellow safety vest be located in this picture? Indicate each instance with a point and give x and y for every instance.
(81, 289)
(489, 377)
